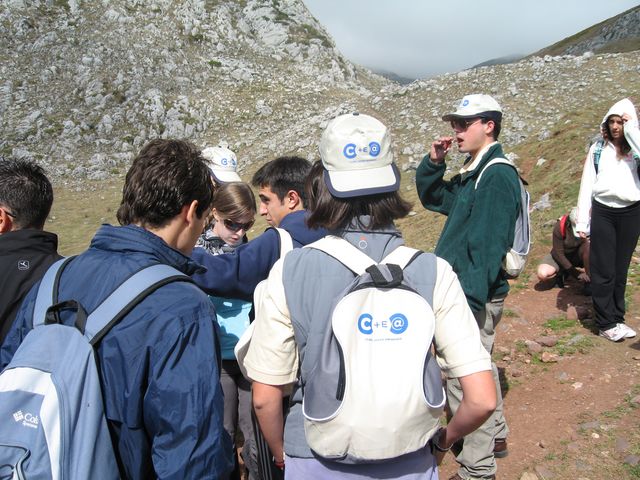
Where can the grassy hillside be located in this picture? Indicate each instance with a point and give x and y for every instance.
(77, 214)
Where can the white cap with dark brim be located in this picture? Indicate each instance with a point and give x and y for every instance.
(222, 163)
(356, 154)
(476, 105)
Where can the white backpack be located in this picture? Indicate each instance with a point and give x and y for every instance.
(516, 258)
(375, 392)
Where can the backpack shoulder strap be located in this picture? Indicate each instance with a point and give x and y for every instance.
(350, 256)
(48, 290)
(131, 292)
(495, 161)
(286, 242)
(401, 256)
(596, 154)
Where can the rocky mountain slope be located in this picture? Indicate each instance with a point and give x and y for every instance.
(84, 84)
(617, 34)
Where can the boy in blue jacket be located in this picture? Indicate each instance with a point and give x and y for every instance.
(159, 366)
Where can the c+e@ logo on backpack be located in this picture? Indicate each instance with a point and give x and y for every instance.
(396, 324)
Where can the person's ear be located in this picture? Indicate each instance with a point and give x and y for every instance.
(6, 222)
(190, 212)
(292, 200)
(489, 127)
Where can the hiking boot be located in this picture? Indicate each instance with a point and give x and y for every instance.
(500, 449)
(628, 331)
(615, 334)
(559, 280)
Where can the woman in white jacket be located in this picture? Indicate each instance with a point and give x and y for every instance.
(609, 211)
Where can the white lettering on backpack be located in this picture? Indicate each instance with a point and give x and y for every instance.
(27, 419)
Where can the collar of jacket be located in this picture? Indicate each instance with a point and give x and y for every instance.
(495, 151)
(137, 239)
(28, 240)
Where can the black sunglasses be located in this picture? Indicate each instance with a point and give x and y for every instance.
(461, 124)
(237, 226)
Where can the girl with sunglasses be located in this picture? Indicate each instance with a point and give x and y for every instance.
(234, 209)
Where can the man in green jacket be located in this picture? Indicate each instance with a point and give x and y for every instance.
(478, 233)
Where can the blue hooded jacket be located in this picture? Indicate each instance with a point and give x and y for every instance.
(159, 366)
(236, 275)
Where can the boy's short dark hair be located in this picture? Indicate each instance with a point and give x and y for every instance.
(164, 177)
(496, 118)
(333, 213)
(283, 174)
(25, 191)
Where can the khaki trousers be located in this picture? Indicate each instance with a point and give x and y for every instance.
(476, 456)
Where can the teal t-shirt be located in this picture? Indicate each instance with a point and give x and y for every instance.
(233, 318)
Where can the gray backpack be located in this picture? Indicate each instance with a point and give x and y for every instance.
(376, 390)
(52, 422)
(516, 258)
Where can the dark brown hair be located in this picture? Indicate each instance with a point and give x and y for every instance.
(234, 200)
(332, 213)
(164, 177)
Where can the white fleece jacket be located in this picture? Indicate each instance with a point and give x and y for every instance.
(616, 184)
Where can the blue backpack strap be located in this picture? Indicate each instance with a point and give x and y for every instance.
(131, 292)
(48, 290)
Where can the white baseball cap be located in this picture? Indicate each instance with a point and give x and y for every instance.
(474, 106)
(223, 164)
(356, 154)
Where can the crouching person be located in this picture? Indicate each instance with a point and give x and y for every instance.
(157, 366)
(349, 321)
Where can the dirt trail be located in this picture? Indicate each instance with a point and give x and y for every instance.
(575, 416)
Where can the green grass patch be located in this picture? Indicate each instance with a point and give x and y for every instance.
(521, 347)
(633, 470)
(582, 345)
(523, 281)
(76, 215)
(617, 413)
(560, 323)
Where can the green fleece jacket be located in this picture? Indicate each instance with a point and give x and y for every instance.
(480, 226)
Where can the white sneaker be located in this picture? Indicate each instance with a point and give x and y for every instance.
(628, 331)
(615, 334)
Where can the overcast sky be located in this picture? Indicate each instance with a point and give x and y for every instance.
(421, 38)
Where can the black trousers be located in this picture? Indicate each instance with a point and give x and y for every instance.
(614, 235)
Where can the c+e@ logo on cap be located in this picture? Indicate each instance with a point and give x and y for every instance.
(350, 150)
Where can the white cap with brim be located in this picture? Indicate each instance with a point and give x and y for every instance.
(475, 105)
(222, 163)
(356, 154)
